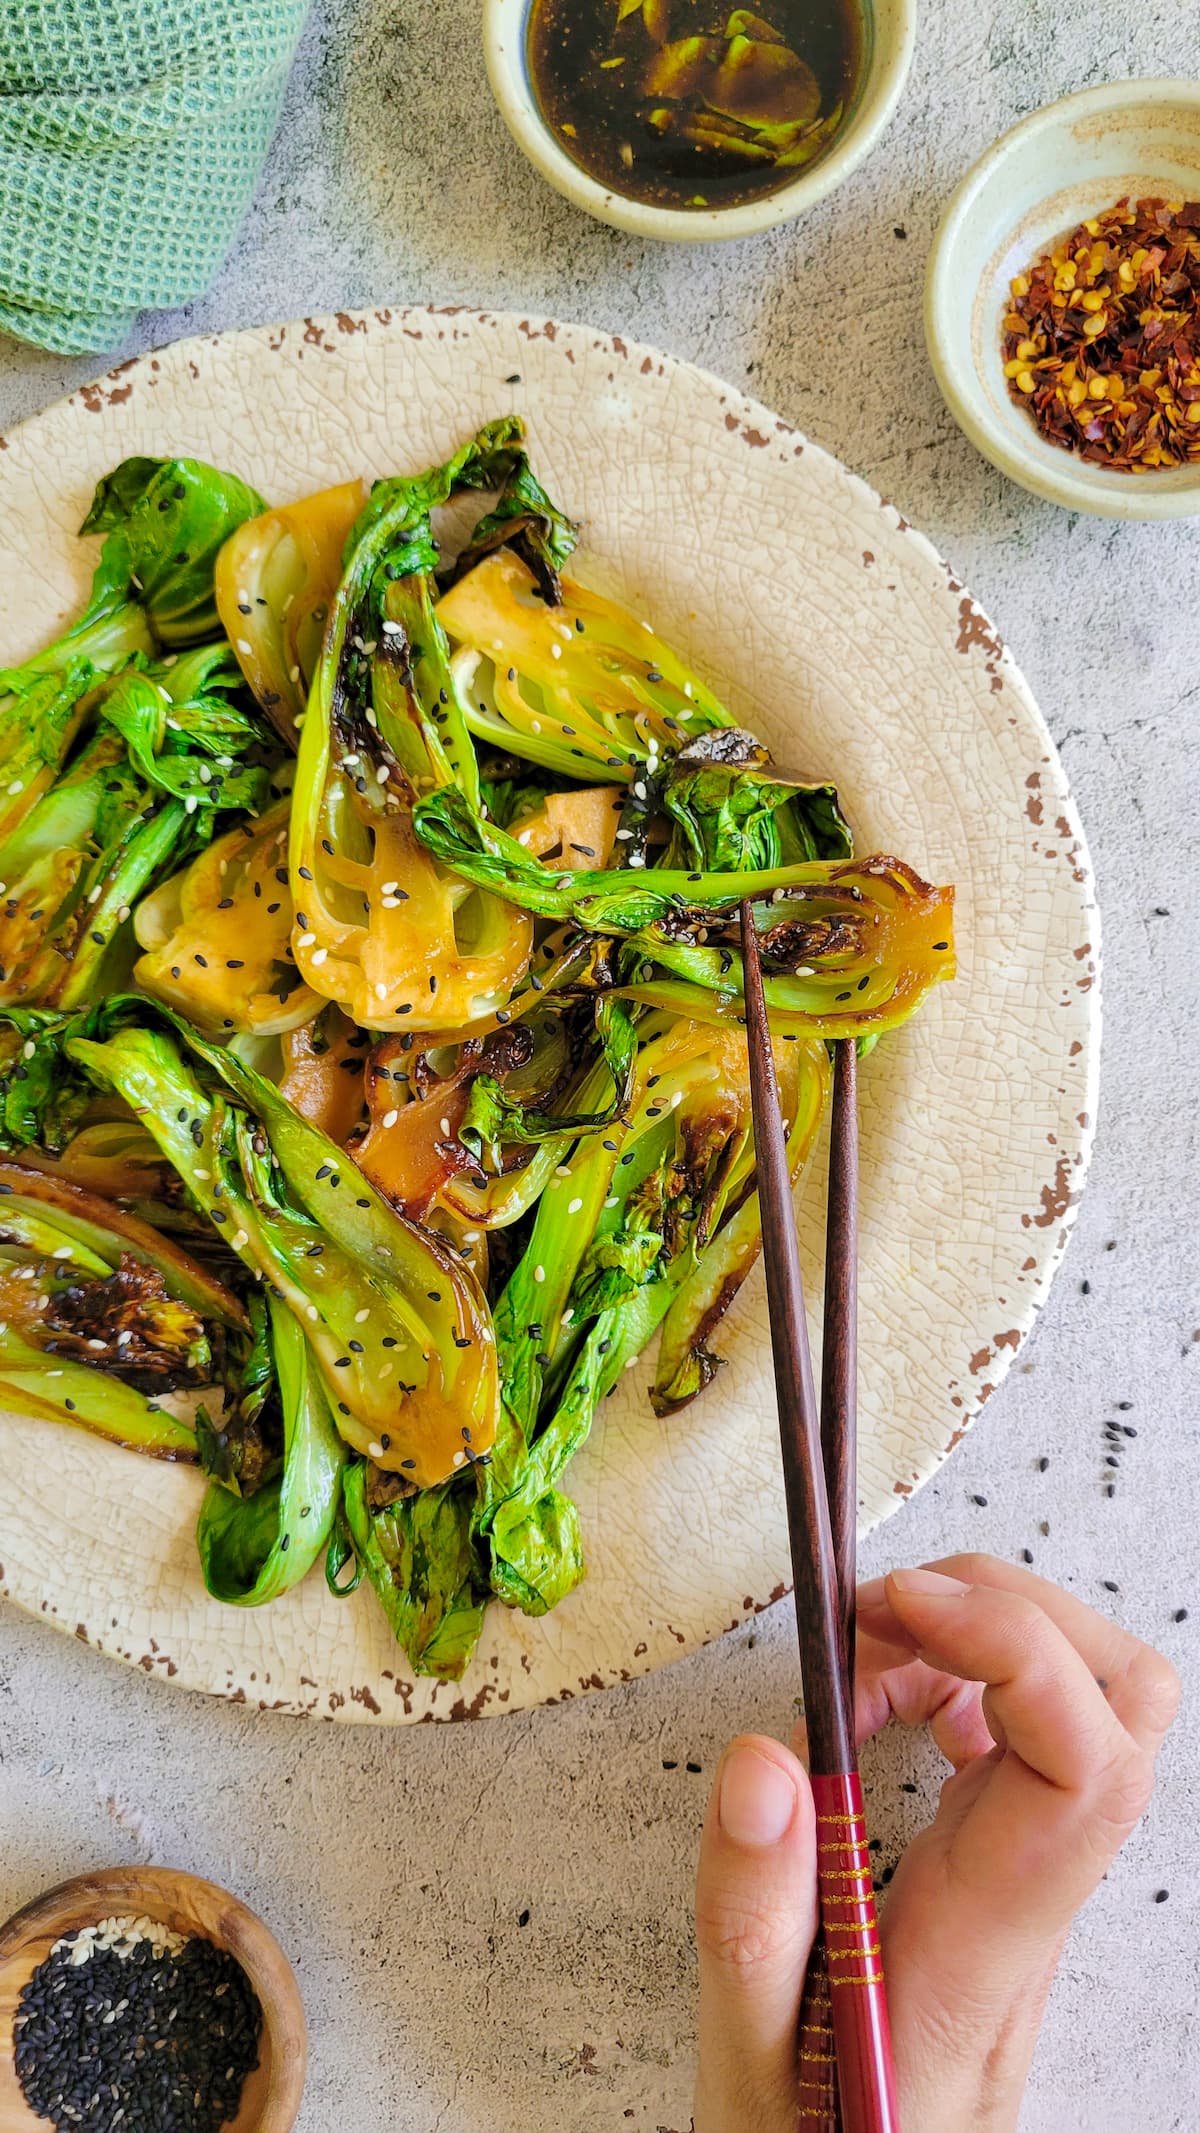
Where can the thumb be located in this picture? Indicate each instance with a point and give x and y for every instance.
(756, 1915)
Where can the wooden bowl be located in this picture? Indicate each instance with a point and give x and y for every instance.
(271, 2097)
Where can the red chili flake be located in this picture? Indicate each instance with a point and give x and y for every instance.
(1102, 343)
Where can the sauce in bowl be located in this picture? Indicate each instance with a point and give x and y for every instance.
(688, 103)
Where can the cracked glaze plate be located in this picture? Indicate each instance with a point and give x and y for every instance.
(834, 630)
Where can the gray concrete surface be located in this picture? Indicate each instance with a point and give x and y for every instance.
(490, 1924)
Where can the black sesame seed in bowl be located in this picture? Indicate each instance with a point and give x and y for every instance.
(146, 2001)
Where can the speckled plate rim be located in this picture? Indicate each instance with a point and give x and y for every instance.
(591, 383)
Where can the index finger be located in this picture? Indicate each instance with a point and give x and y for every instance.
(1141, 1686)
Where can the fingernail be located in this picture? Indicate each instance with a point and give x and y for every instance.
(757, 1799)
(929, 1584)
(872, 1593)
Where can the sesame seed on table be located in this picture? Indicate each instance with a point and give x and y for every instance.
(525, 1884)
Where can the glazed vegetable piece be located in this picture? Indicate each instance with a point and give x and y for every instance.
(168, 751)
(417, 1553)
(37, 726)
(390, 937)
(165, 522)
(584, 688)
(99, 1313)
(217, 936)
(323, 1072)
(686, 1363)
(399, 1331)
(275, 581)
(525, 520)
(612, 1242)
(848, 948)
(253, 1547)
(734, 809)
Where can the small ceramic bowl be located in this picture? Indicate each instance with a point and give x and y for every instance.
(1056, 169)
(889, 33)
(271, 2097)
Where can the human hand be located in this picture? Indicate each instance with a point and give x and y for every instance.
(1052, 1718)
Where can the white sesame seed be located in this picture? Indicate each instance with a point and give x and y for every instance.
(390, 1117)
(632, 1362)
(556, 651)
(293, 673)
(390, 903)
(190, 804)
(459, 1459)
(445, 1125)
(562, 1170)
(539, 1273)
(28, 1048)
(239, 1240)
(318, 956)
(61, 1251)
(611, 1200)
(306, 940)
(244, 645)
(573, 1206)
(376, 1450)
(390, 888)
(361, 1317)
(311, 1311)
(677, 1099)
(381, 990)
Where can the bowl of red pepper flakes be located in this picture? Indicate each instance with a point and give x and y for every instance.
(1102, 343)
(1062, 303)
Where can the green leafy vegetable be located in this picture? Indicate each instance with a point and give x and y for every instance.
(417, 1554)
(252, 1548)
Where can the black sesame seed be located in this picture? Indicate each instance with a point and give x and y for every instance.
(1161, 1895)
(1180, 1615)
(1042, 1464)
(981, 1501)
(1027, 1555)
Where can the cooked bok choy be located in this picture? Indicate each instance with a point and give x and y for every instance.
(373, 1073)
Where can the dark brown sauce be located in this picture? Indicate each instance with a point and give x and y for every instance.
(689, 103)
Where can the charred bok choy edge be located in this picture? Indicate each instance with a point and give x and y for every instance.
(99, 1313)
(848, 947)
(399, 1331)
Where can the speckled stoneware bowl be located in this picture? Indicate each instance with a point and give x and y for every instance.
(831, 628)
(889, 33)
(1057, 168)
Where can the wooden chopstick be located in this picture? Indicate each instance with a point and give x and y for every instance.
(839, 1362)
(824, 1599)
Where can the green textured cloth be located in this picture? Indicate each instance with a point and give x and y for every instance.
(131, 136)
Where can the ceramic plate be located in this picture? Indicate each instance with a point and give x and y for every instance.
(834, 630)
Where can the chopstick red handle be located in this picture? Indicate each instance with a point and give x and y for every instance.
(816, 2060)
(866, 2081)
